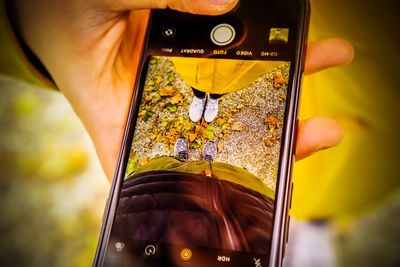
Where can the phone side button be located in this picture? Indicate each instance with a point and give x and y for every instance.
(286, 236)
(287, 229)
(105, 210)
(291, 196)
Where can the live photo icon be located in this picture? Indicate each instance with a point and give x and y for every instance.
(279, 36)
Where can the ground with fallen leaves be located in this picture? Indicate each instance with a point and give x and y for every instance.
(247, 129)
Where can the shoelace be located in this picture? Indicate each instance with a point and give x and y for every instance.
(208, 158)
(183, 155)
(212, 106)
(199, 103)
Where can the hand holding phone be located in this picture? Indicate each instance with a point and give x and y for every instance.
(204, 172)
(108, 88)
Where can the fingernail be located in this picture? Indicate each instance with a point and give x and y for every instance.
(220, 2)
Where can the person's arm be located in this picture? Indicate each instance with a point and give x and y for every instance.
(91, 49)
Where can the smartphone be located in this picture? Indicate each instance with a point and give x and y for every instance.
(204, 174)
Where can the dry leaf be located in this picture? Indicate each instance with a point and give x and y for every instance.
(142, 113)
(159, 137)
(192, 136)
(176, 99)
(199, 129)
(164, 124)
(226, 136)
(143, 161)
(153, 136)
(209, 135)
(271, 141)
(279, 80)
(172, 131)
(240, 106)
(158, 79)
(273, 122)
(220, 146)
(167, 91)
(220, 121)
(237, 126)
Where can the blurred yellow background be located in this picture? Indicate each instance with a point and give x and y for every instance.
(52, 188)
(363, 97)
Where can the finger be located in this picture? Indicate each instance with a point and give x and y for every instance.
(204, 7)
(316, 134)
(327, 54)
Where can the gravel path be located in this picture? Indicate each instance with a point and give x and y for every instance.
(247, 133)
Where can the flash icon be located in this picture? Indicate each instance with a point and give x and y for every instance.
(119, 246)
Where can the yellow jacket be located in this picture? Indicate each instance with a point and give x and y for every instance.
(222, 171)
(221, 76)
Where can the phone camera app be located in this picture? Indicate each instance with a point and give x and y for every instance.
(223, 34)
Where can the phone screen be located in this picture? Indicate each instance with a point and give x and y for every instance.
(200, 180)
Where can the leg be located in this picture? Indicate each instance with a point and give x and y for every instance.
(198, 94)
(197, 106)
(211, 110)
(215, 96)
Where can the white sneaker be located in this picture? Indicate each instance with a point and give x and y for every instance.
(211, 109)
(196, 108)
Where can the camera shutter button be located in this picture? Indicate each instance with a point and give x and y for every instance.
(223, 34)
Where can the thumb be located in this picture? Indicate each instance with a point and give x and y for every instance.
(204, 7)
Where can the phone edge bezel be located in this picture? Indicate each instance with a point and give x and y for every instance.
(281, 215)
(112, 200)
